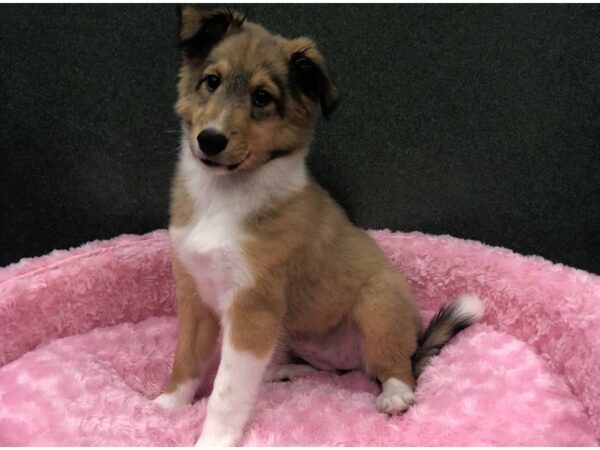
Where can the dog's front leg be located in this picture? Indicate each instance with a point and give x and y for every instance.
(251, 328)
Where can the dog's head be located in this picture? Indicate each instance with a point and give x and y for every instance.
(247, 96)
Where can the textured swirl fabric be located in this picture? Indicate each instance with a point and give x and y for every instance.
(87, 338)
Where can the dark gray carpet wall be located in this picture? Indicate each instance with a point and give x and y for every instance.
(478, 121)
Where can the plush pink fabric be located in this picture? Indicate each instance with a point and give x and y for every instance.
(87, 338)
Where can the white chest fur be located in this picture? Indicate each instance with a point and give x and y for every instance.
(211, 245)
(211, 248)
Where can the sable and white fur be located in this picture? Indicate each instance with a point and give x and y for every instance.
(261, 253)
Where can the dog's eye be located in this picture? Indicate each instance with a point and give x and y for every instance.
(261, 98)
(212, 83)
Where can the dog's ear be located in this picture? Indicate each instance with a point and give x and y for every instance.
(309, 75)
(200, 31)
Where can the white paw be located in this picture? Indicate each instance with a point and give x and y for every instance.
(395, 398)
(288, 372)
(183, 395)
(220, 440)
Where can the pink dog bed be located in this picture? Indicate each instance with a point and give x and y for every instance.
(87, 339)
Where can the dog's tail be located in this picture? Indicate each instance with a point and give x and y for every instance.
(445, 324)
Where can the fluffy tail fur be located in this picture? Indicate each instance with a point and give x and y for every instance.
(445, 324)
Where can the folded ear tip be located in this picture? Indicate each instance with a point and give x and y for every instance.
(202, 30)
(188, 12)
(190, 19)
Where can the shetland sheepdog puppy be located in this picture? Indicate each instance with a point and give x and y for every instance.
(261, 254)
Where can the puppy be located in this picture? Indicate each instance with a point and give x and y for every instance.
(261, 253)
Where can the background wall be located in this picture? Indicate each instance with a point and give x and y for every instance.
(479, 121)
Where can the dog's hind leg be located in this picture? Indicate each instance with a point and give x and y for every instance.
(284, 366)
(389, 324)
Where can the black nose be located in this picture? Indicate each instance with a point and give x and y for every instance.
(212, 142)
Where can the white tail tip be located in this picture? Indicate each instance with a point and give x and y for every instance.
(470, 305)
